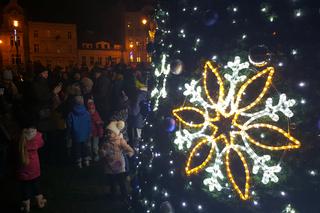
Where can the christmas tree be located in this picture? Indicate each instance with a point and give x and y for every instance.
(222, 136)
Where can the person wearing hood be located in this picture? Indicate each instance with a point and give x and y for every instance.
(79, 126)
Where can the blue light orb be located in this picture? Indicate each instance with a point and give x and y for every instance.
(210, 18)
(170, 124)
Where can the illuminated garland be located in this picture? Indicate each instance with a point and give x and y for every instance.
(237, 141)
(161, 82)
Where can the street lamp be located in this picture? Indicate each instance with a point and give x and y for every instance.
(15, 23)
(1, 54)
(144, 21)
(15, 34)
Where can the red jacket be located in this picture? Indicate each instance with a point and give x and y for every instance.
(97, 125)
(32, 170)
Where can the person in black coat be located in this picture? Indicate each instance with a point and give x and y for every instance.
(102, 94)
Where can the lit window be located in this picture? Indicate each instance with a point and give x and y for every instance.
(138, 59)
(131, 56)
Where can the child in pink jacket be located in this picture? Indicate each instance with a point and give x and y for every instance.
(28, 172)
(112, 152)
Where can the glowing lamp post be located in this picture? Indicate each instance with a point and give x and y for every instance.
(144, 21)
(1, 54)
(15, 26)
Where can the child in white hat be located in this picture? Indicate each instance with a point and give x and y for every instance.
(112, 153)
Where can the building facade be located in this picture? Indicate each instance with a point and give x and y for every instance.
(136, 28)
(53, 44)
(101, 53)
(56, 44)
(13, 37)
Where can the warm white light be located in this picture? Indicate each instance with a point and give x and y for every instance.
(144, 21)
(283, 193)
(15, 23)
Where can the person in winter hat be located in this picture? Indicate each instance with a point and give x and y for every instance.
(112, 152)
(79, 126)
(96, 130)
(28, 173)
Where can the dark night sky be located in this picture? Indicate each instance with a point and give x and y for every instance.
(101, 16)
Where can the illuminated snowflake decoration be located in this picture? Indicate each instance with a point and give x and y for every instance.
(221, 125)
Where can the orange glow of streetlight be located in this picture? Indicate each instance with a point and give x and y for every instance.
(144, 21)
(131, 45)
(1, 41)
(15, 23)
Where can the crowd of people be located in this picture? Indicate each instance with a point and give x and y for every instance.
(72, 115)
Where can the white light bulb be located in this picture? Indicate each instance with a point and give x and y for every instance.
(303, 101)
(255, 202)
(294, 52)
(280, 64)
(199, 207)
(235, 9)
(312, 172)
(283, 193)
(244, 36)
(214, 57)
(262, 135)
(302, 84)
(184, 204)
(298, 13)
(264, 9)
(198, 40)
(184, 9)
(180, 88)
(166, 194)
(195, 8)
